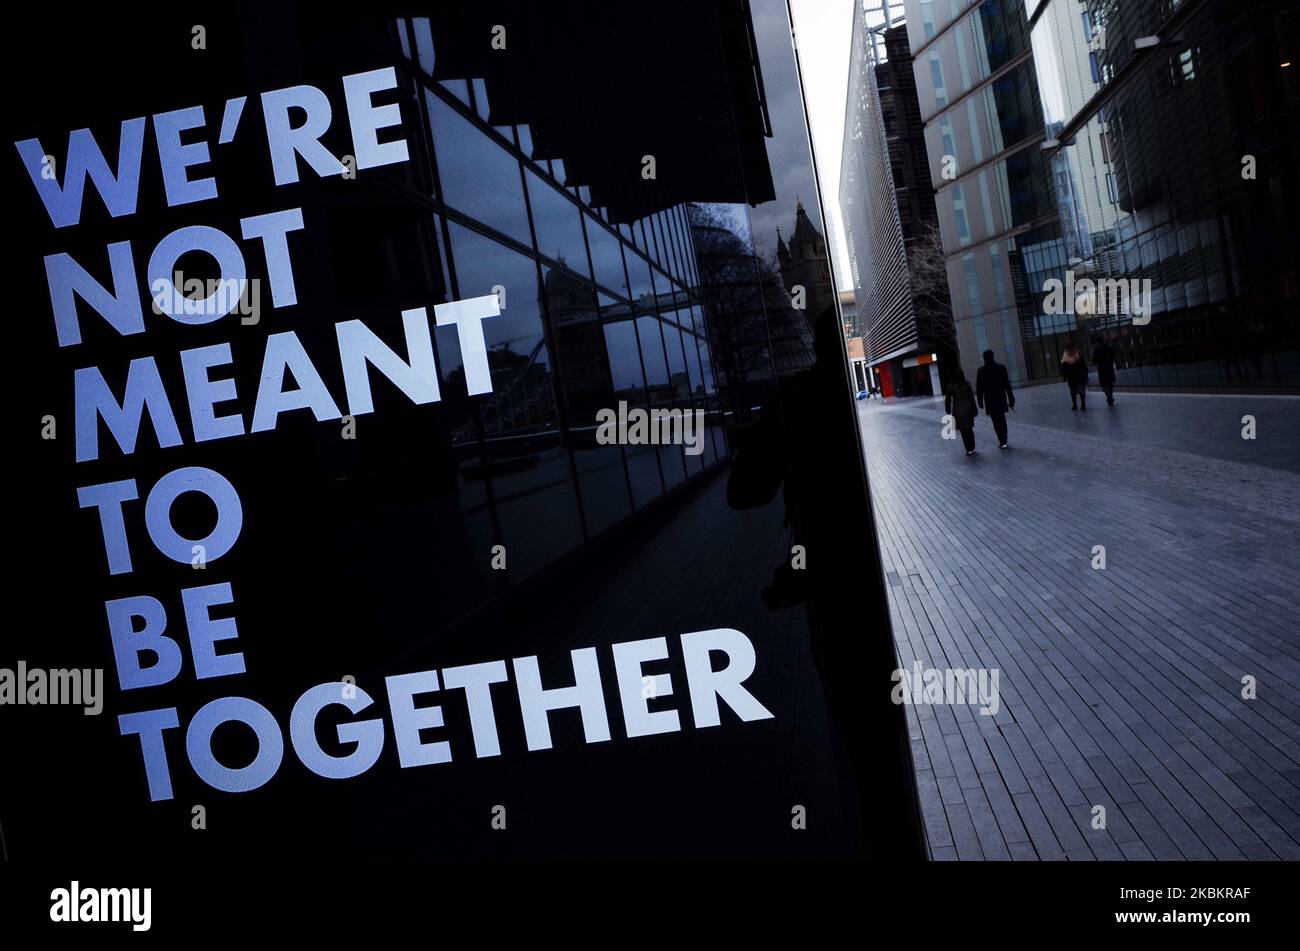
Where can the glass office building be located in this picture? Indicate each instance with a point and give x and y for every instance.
(984, 130)
(1149, 146)
(1174, 163)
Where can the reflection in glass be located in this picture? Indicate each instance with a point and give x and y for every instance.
(653, 359)
(625, 362)
(559, 227)
(579, 345)
(477, 176)
(528, 468)
(638, 272)
(606, 257)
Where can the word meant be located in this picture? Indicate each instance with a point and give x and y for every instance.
(948, 686)
(284, 356)
(656, 427)
(34, 686)
(1105, 296)
(103, 904)
(362, 741)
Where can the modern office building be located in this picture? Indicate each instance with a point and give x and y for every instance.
(983, 130)
(1083, 151)
(888, 209)
(1174, 160)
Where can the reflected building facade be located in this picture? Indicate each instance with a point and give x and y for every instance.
(803, 263)
(1173, 157)
(984, 130)
(599, 307)
(888, 208)
(1153, 144)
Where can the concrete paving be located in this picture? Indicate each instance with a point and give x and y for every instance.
(1121, 686)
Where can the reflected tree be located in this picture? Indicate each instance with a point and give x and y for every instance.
(754, 331)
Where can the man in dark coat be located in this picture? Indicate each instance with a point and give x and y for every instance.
(1103, 357)
(993, 393)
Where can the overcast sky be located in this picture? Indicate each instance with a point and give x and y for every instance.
(822, 32)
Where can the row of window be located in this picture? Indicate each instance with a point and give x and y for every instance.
(593, 313)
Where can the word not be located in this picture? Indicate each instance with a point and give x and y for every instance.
(103, 904)
(947, 686)
(656, 427)
(227, 295)
(1105, 296)
(35, 687)
(364, 740)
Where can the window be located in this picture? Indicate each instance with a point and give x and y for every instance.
(936, 78)
(959, 214)
(478, 177)
(529, 469)
(606, 256)
(973, 295)
(638, 272)
(559, 227)
(653, 359)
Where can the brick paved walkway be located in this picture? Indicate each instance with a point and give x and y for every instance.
(1119, 687)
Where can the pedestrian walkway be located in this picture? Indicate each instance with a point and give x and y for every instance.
(1120, 687)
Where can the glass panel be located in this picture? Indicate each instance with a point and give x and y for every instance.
(588, 388)
(642, 286)
(529, 468)
(653, 359)
(477, 176)
(606, 257)
(559, 227)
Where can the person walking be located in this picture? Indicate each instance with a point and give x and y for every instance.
(1103, 355)
(1074, 370)
(959, 403)
(994, 396)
